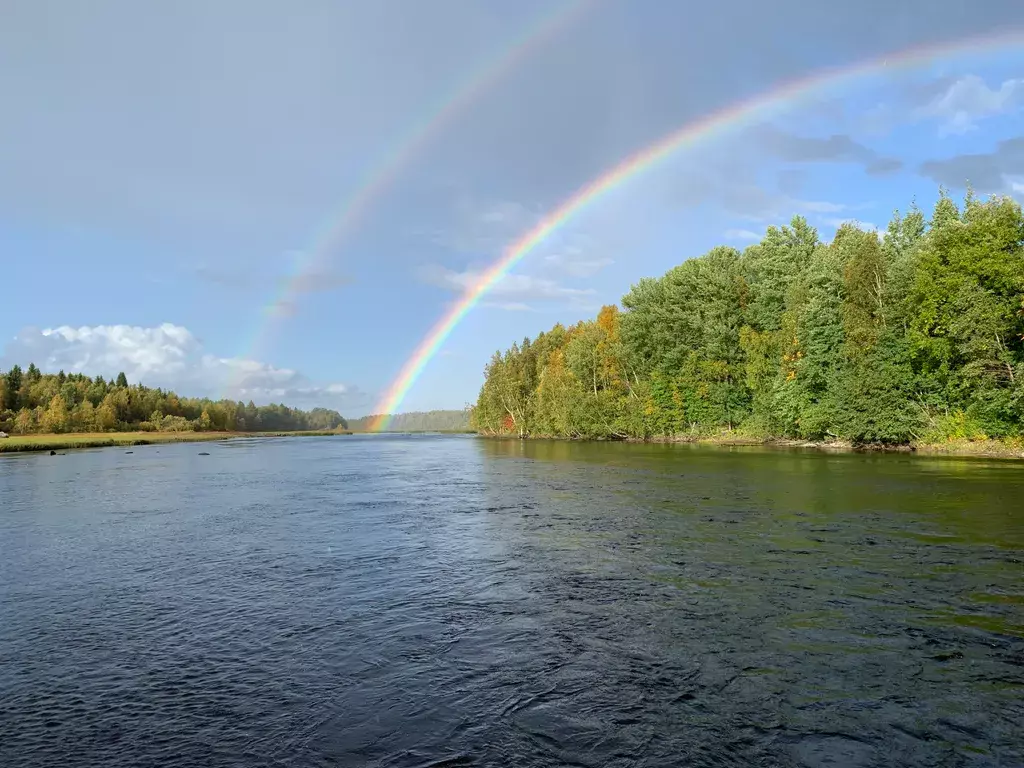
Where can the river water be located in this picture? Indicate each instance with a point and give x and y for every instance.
(429, 601)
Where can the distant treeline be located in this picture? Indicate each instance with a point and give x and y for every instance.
(32, 402)
(419, 421)
(917, 335)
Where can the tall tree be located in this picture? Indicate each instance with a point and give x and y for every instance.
(12, 388)
(56, 418)
(920, 334)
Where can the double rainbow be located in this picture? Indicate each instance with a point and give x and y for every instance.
(713, 125)
(311, 261)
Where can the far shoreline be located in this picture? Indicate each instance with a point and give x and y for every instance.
(988, 448)
(80, 440)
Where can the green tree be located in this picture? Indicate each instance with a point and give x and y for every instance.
(919, 334)
(56, 418)
(12, 388)
(25, 422)
(800, 387)
(83, 419)
(771, 267)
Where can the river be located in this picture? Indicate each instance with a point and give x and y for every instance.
(432, 600)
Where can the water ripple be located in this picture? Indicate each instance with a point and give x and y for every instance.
(455, 602)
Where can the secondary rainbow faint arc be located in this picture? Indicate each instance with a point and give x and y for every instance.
(733, 116)
(382, 176)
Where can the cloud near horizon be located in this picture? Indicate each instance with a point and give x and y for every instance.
(171, 357)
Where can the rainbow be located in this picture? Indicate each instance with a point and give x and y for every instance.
(313, 259)
(734, 116)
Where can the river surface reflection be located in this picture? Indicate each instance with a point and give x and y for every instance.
(421, 600)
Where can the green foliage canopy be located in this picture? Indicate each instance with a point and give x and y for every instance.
(33, 402)
(917, 334)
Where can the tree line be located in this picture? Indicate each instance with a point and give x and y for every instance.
(35, 402)
(916, 334)
(419, 421)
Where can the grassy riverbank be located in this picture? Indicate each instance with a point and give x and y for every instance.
(20, 443)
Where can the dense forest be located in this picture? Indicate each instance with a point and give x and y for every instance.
(420, 421)
(911, 335)
(32, 402)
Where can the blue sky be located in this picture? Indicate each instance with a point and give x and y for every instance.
(164, 168)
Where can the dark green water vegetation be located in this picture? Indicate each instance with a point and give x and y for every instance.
(914, 336)
(32, 402)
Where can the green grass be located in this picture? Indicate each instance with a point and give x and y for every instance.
(19, 443)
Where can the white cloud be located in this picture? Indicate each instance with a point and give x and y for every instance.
(252, 380)
(969, 99)
(741, 234)
(170, 356)
(511, 292)
(107, 349)
(957, 103)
